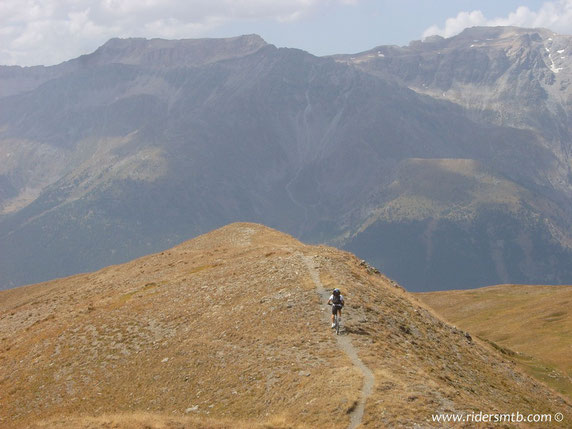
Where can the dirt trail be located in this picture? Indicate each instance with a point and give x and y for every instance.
(345, 343)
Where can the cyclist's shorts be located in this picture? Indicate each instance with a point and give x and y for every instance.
(336, 307)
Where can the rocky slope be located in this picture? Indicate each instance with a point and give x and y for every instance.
(143, 143)
(502, 75)
(229, 329)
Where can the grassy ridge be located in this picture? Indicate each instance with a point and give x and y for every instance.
(229, 327)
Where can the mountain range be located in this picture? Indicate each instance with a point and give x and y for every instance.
(445, 163)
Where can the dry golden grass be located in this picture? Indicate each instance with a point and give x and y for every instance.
(227, 330)
(140, 420)
(533, 324)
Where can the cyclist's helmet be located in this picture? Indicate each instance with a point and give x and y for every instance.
(336, 291)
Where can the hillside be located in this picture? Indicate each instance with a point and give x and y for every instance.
(231, 328)
(142, 144)
(531, 323)
(437, 213)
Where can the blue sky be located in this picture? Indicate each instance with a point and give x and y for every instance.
(350, 28)
(51, 31)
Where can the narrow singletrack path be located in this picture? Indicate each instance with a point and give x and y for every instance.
(345, 343)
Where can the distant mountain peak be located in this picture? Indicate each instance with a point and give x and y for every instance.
(501, 32)
(129, 42)
(172, 53)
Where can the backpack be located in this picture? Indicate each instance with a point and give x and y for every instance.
(337, 300)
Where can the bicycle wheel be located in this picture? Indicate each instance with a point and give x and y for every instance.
(337, 324)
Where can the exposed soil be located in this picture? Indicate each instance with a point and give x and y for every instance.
(345, 343)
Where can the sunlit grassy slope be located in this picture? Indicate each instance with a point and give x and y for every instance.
(532, 324)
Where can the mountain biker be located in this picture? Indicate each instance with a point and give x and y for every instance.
(337, 301)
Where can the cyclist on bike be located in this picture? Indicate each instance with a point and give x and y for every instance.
(337, 301)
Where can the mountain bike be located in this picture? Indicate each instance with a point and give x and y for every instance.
(337, 319)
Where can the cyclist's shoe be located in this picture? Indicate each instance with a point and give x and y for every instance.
(333, 325)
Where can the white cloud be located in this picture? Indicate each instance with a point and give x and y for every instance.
(554, 15)
(50, 31)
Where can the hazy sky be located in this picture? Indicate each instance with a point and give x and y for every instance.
(51, 31)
